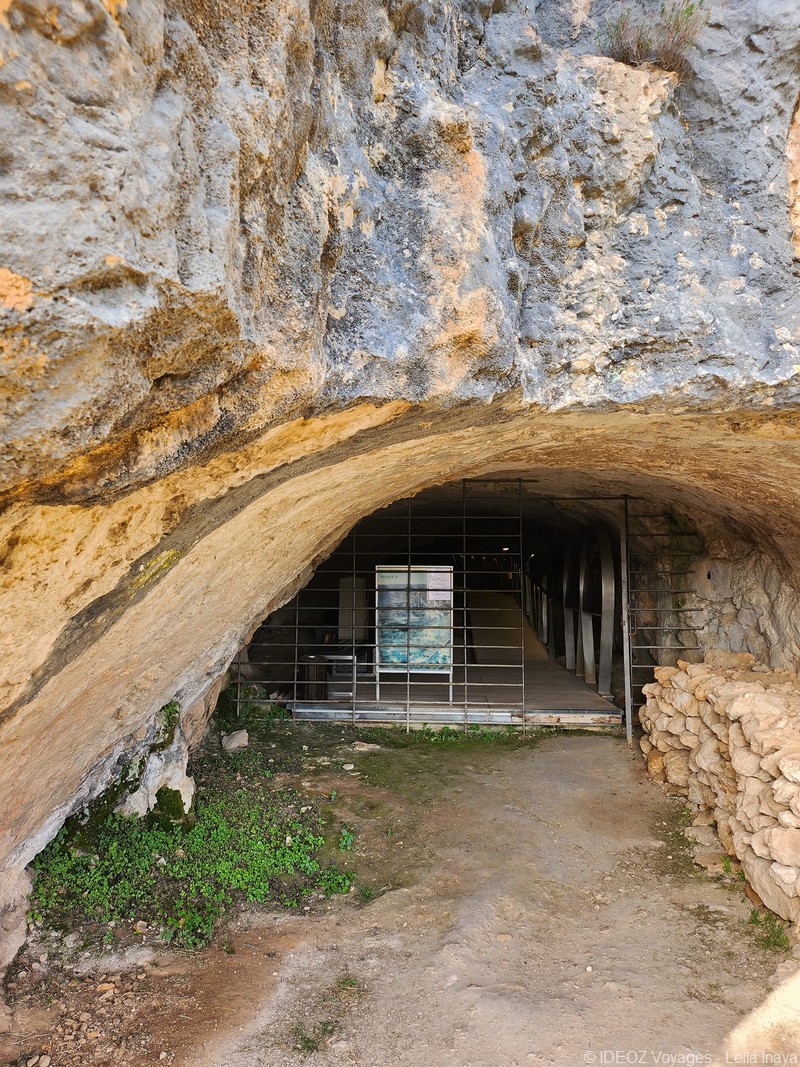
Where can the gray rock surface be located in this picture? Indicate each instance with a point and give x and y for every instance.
(165, 768)
(214, 223)
(236, 741)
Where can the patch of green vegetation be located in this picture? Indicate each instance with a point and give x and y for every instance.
(346, 839)
(169, 807)
(248, 763)
(366, 894)
(312, 1040)
(168, 719)
(633, 36)
(333, 880)
(346, 982)
(85, 827)
(254, 711)
(448, 736)
(244, 843)
(169, 715)
(770, 931)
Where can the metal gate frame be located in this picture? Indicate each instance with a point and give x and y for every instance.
(536, 602)
(645, 546)
(464, 521)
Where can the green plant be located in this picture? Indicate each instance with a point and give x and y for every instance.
(682, 22)
(365, 894)
(249, 763)
(726, 866)
(346, 839)
(332, 880)
(242, 845)
(626, 39)
(313, 1040)
(169, 715)
(770, 931)
(345, 982)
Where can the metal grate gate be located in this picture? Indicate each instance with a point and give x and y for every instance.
(426, 613)
(418, 616)
(661, 548)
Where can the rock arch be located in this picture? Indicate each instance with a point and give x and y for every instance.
(169, 621)
(261, 277)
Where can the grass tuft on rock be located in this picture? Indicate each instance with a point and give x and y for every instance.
(633, 36)
(770, 931)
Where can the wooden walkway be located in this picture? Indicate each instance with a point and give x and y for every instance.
(496, 620)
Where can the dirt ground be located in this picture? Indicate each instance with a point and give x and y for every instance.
(515, 905)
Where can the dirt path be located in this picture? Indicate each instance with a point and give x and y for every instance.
(542, 909)
(555, 917)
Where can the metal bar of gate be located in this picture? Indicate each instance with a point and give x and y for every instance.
(585, 622)
(354, 586)
(408, 618)
(464, 597)
(521, 603)
(295, 696)
(569, 618)
(626, 637)
(608, 614)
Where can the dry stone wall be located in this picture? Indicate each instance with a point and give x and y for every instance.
(725, 733)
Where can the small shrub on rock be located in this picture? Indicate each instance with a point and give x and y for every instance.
(626, 38)
(682, 22)
(635, 37)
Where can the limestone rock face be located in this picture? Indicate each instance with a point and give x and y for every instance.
(266, 269)
(213, 222)
(164, 768)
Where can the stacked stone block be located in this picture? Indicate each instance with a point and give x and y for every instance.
(725, 733)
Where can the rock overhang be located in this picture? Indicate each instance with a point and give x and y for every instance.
(263, 276)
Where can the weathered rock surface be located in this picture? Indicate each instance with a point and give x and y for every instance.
(264, 271)
(236, 741)
(165, 768)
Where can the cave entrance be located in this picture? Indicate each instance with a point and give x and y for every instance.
(480, 602)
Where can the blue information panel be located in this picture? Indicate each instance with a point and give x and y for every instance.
(414, 618)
